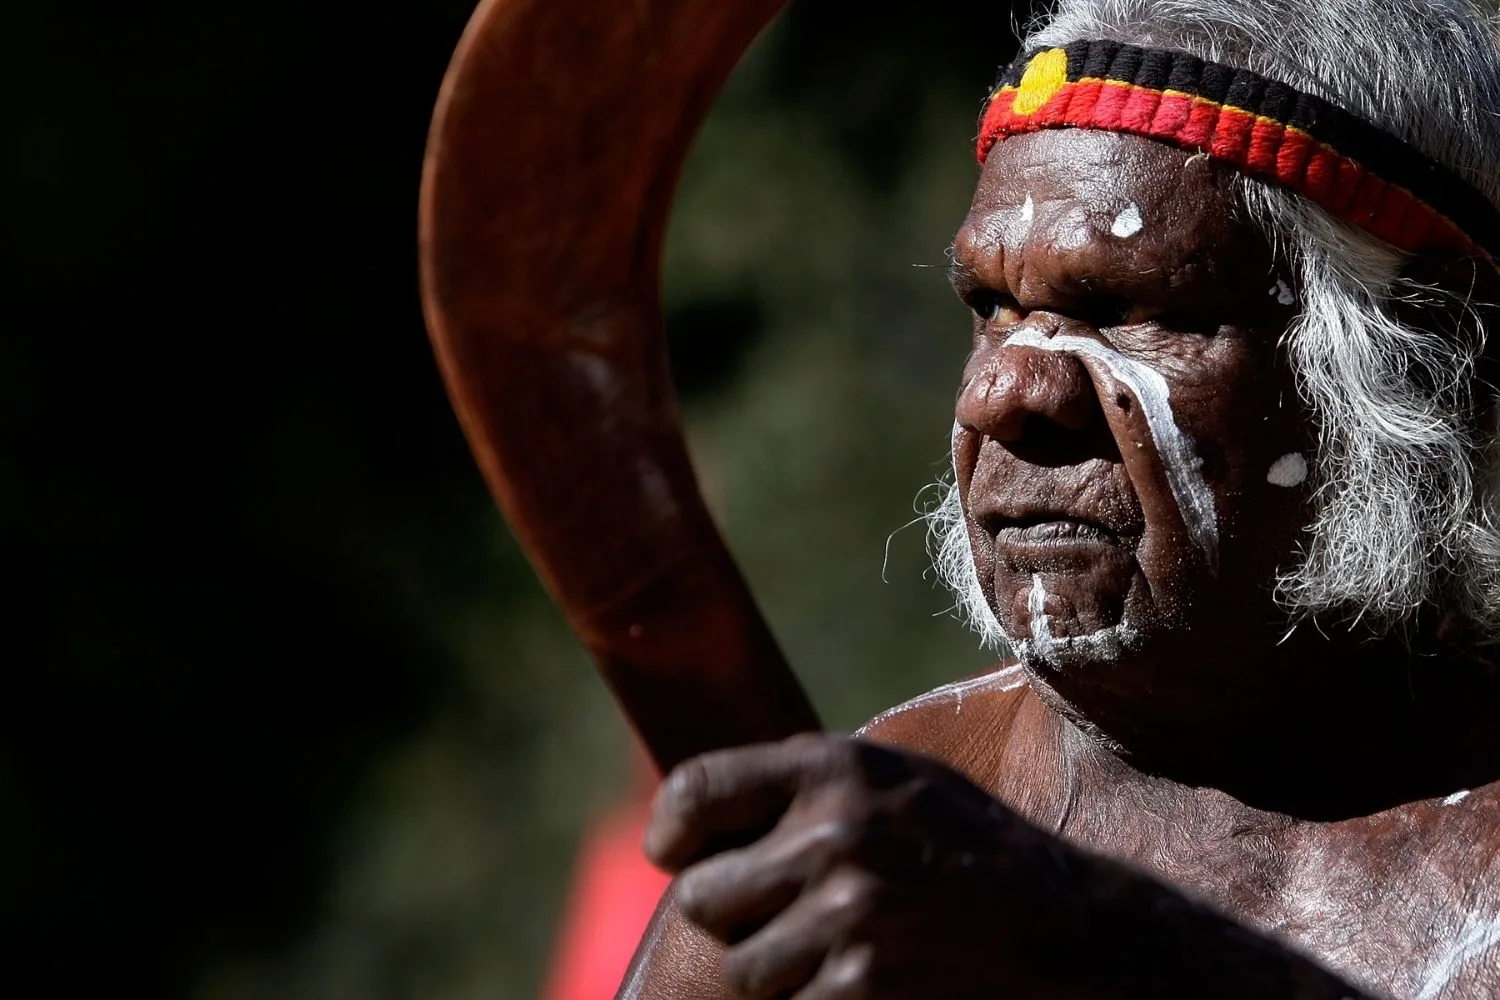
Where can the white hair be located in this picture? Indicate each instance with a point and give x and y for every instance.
(1405, 504)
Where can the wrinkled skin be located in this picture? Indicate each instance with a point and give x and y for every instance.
(1213, 808)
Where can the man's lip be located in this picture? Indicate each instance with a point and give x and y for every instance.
(1051, 530)
(1056, 531)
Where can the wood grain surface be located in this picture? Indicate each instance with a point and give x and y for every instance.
(554, 152)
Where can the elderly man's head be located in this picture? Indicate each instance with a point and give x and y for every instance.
(1196, 395)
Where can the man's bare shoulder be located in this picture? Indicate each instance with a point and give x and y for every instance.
(1457, 834)
(965, 724)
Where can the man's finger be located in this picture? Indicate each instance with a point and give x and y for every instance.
(787, 954)
(739, 793)
(846, 975)
(733, 894)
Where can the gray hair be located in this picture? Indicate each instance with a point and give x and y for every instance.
(1405, 474)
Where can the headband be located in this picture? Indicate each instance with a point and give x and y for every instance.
(1356, 171)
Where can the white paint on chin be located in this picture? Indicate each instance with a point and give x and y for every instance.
(1182, 466)
(1128, 223)
(1036, 603)
(1106, 645)
(1288, 470)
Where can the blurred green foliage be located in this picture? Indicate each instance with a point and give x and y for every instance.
(287, 714)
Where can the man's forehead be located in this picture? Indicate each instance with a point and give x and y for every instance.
(1137, 210)
(1093, 166)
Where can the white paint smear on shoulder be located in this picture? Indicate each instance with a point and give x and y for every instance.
(1005, 679)
(1476, 937)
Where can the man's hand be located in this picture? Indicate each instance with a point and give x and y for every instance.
(831, 867)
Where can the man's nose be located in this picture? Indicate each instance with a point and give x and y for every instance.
(1020, 386)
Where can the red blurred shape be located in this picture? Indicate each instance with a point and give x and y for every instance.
(614, 893)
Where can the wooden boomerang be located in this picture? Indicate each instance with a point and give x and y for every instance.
(555, 148)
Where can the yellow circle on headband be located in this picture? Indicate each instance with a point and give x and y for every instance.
(1044, 76)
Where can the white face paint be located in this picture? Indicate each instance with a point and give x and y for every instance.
(1105, 645)
(1022, 227)
(1288, 470)
(1128, 222)
(1182, 466)
(1456, 798)
(1283, 293)
(1012, 226)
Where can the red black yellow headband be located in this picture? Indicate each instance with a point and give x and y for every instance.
(1355, 170)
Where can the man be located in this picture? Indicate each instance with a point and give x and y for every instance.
(1224, 475)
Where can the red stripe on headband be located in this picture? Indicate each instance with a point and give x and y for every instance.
(1053, 89)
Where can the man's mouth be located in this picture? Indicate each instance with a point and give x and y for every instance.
(1042, 531)
(1046, 540)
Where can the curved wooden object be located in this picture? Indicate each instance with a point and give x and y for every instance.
(553, 156)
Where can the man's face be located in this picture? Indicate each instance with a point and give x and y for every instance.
(1129, 446)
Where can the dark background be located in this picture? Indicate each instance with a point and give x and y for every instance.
(286, 713)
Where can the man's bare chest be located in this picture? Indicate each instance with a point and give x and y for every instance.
(1405, 902)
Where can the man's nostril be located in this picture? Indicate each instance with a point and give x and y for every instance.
(1043, 441)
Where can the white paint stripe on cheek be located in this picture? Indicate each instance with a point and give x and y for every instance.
(1182, 466)
(1288, 471)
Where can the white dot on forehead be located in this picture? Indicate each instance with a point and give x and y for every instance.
(1022, 227)
(1128, 222)
(1283, 292)
(1288, 470)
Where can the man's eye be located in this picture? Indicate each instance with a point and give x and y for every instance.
(992, 307)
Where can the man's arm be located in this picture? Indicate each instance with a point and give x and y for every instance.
(675, 961)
